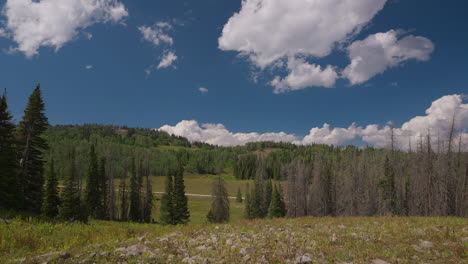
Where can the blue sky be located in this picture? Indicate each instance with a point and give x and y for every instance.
(117, 90)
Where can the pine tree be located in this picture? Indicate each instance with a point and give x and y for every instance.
(123, 198)
(268, 194)
(248, 204)
(71, 207)
(93, 192)
(103, 214)
(219, 202)
(135, 188)
(239, 196)
(210, 217)
(9, 185)
(32, 146)
(167, 205)
(181, 212)
(148, 201)
(51, 201)
(277, 207)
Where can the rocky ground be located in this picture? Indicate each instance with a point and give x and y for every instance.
(307, 240)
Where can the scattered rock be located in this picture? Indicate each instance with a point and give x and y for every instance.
(134, 250)
(229, 242)
(50, 257)
(418, 249)
(304, 259)
(464, 239)
(203, 248)
(379, 261)
(426, 244)
(85, 261)
(246, 251)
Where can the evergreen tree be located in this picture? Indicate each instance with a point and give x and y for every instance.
(210, 217)
(32, 146)
(123, 198)
(135, 189)
(181, 212)
(9, 185)
(248, 204)
(71, 207)
(239, 196)
(93, 191)
(388, 186)
(167, 205)
(268, 195)
(51, 198)
(103, 214)
(148, 201)
(277, 206)
(219, 202)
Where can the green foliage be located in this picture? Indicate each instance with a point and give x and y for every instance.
(277, 206)
(71, 207)
(219, 202)
(31, 148)
(9, 185)
(167, 204)
(181, 212)
(93, 191)
(51, 201)
(135, 190)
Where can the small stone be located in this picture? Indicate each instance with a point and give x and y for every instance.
(379, 261)
(246, 251)
(418, 249)
(426, 244)
(203, 248)
(229, 242)
(464, 239)
(304, 259)
(51, 256)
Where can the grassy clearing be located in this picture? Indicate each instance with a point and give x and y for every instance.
(327, 240)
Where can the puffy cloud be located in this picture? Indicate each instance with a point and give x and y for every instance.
(203, 90)
(89, 67)
(335, 136)
(303, 75)
(168, 59)
(157, 34)
(381, 51)
(438, 120)
(217, 134)
(267, 30)
(53, 23)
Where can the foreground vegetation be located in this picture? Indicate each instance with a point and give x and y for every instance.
(323, 240)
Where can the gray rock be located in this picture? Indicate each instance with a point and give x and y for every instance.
(304, 259)
(464, 239)
(246, 251)
(134, 250)
(51, 256)
(426, 244)
(418, 249)
(229, 242)
(203, 248)
(379, 261)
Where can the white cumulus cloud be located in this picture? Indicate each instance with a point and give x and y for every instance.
(157, 34)
(53, 23)
(167, 60)
(267, 30)
(89, 67)
(437, 120)
(381, 51)
(203, 90)
(303, 75)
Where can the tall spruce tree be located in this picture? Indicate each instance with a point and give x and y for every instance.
(277, 206)
(31, 148)
(148, 200)
(9, 184)
(135, 189)
(93, 191)
(123, 198)
(248, 203)
(103, 214)
(167, 205)
(51, 201)
(219, 202)
(181, 212)
(71, 208)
